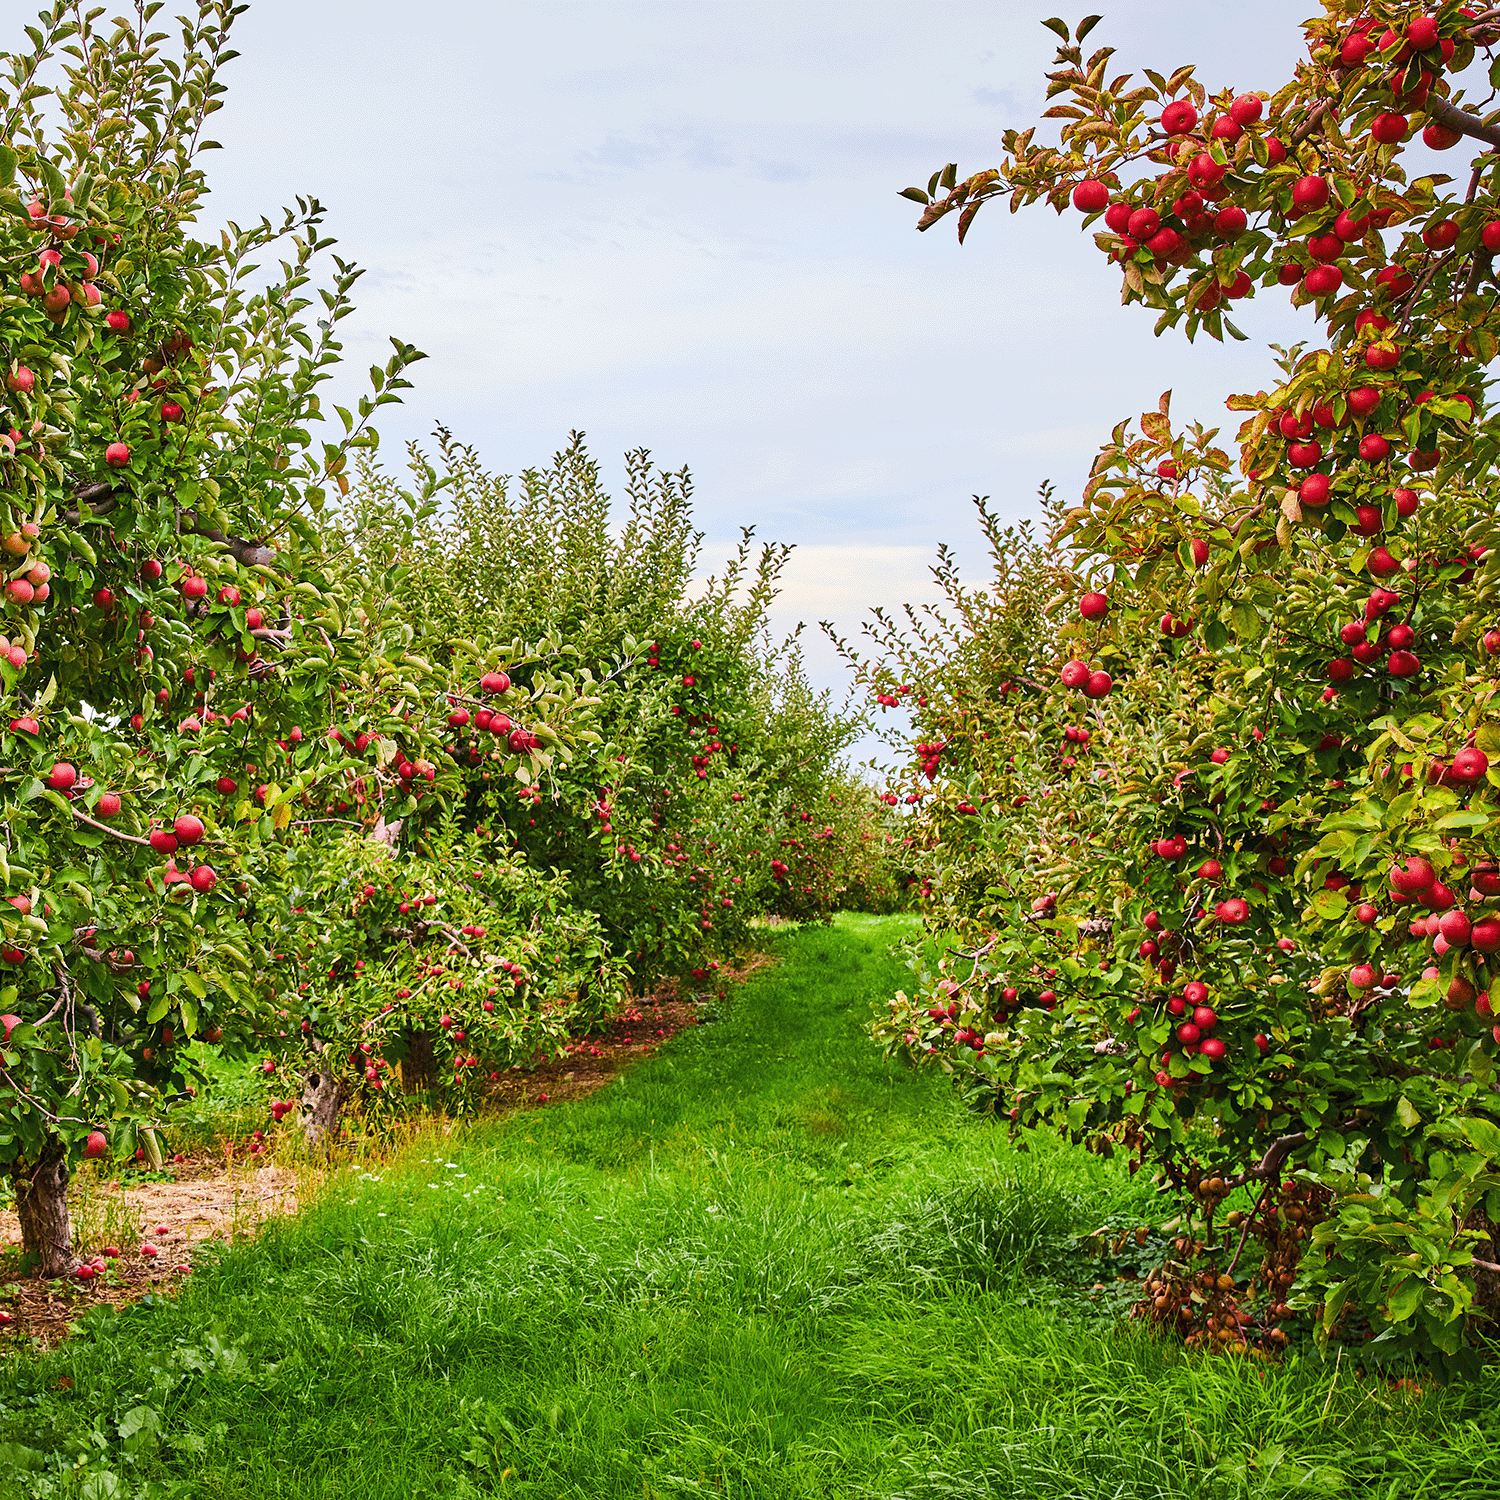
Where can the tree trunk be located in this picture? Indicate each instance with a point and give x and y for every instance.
(323, 1096)
(418, 1066)
(41, 1190)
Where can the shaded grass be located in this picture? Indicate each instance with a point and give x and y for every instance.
(764, 1264)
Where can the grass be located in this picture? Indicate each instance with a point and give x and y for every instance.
(765, 1264)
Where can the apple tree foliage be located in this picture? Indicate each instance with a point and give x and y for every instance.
(333, 775)
(1205, 789)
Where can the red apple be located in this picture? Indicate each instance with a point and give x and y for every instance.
(1091, 196)
(1470, 764)
(1484, 935)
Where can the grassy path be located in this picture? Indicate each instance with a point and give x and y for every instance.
(765, 1264)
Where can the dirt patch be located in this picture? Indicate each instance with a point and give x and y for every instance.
(220, 1197)
(154, 1225)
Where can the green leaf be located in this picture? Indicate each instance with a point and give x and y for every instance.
(1245, 619)
(1464, 819)
(195, 984)
(1059, 27)
(1483, 1134)
(1405, 1300)
(1407, 1113)
(1330, 905)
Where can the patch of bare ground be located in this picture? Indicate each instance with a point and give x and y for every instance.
(155, 1220)
(138, 1236)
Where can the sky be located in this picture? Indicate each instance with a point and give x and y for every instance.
(676, 226)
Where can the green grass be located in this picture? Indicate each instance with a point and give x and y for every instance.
(765, 1264)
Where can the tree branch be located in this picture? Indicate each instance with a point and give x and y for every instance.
(1271, 1162)
(1443, 112)
(129, 838)
(101, 498)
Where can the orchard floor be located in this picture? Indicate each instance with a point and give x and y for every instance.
(763, 1263)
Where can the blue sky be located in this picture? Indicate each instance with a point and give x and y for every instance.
(675, 225)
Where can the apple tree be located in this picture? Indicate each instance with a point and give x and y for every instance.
(1217, 829)
(168, 611)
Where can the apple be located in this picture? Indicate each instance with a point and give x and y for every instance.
(194, 587)
(1315, 489)
(62, 777)
(151, 570)
(117, 455)
(108, 805)
(97, 1144)
(1470, 764)
(1099, 685)
(1309, 194)
(1195, 992)
(1438, 897)
(495, 682)
(1454, 928)
(1178, 117)
(1090, 196)
(1093, 606)
(1074, 673)
(162, 841)
(188, 829)
(1213, 1048)
(1323, 281)
(1403, 664)
(1414, 877)
(1484, 935)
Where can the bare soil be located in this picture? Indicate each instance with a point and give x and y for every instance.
(203, 1200)
(228, 1194)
